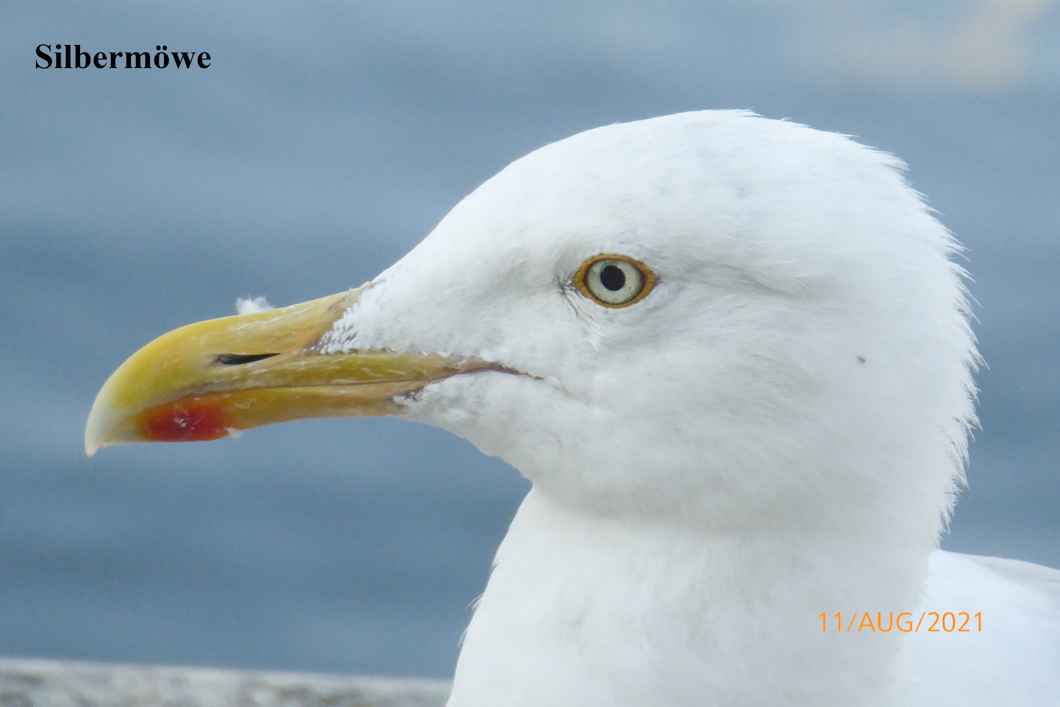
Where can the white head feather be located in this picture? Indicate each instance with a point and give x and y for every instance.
(806, 303)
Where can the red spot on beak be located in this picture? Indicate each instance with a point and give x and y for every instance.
(185, 421)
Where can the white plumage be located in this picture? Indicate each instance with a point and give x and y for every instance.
(733, 356)
(777, 431)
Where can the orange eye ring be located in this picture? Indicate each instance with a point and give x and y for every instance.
(614, 281)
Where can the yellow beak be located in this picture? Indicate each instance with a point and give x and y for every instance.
(206, 380)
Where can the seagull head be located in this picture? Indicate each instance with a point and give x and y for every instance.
(710, 318)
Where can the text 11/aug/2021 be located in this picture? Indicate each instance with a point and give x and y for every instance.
(907, 622)
(67, 56)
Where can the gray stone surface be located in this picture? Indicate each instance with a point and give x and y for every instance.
(48, 683)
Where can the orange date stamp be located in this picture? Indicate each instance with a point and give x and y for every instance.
(904, 622)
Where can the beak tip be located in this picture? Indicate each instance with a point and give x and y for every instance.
(92, 440)
(95, 428)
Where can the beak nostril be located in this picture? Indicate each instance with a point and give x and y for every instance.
(229, 359)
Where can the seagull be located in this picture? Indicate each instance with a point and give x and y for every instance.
(733, 357)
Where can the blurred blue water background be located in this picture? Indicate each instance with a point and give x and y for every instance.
(325, 140)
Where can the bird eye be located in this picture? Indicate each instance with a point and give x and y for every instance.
(614, 280)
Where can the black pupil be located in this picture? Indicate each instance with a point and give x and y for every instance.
(613, 278)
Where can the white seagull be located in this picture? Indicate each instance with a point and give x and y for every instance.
(733, 356)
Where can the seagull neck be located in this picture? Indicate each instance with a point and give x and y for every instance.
(702, 613)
